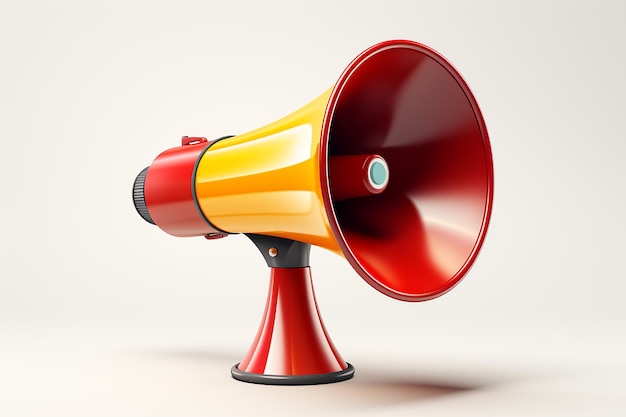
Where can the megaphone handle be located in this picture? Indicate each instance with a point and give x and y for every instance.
(292, 346)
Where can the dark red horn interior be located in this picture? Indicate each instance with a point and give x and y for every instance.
(405, 102)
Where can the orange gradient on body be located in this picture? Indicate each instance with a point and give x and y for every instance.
(268, 181)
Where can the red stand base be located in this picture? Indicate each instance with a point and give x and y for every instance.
(292, 346)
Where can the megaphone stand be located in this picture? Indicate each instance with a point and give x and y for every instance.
(292, 346)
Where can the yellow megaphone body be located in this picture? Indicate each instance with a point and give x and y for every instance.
(268, 181)
(391, 168)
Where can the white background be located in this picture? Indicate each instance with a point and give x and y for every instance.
(103, 314)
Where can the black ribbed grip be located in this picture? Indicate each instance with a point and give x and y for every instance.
(139, 198)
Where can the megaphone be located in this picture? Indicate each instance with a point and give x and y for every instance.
(391, 168)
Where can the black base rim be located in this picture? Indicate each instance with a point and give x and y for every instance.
(312, 379)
